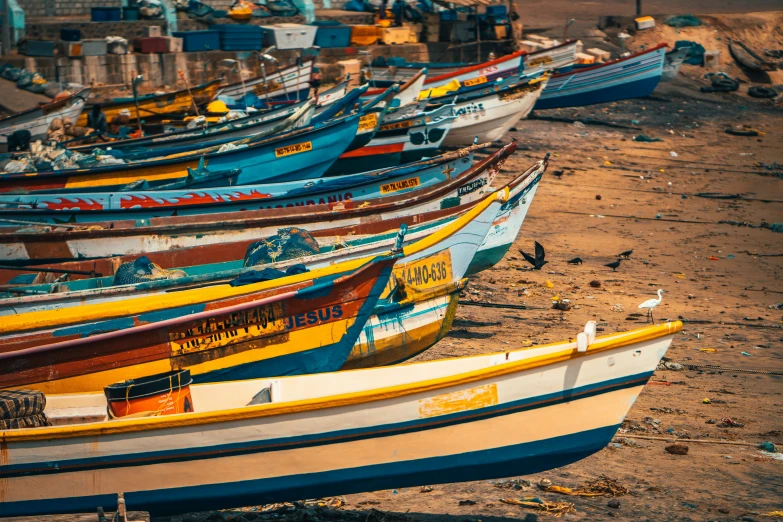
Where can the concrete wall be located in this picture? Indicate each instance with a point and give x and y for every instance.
(41, 8)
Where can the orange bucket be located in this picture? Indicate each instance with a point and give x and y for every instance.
(162, 394)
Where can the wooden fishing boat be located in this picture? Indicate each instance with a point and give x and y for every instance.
(155, 104)
(139, 205)
(218, 333)
(470, 418)
(63, 294)
(748, 58)
(409, 91)
(200, 238)
(198, 137)
(398, 142)
(299, 154)
(288, 83)
(633, 76)
(489, 71)
(38, 119)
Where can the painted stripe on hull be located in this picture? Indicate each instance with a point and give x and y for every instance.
(637, 89)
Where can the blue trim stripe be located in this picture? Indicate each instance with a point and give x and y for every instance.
(336, 437)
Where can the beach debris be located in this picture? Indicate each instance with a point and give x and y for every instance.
(513, 484)
(425, 489)
(562, 304)
(617, 308)
(598, 487)
(757, 91)
(467, 502)
(686, 20)
(746, 354)
(614, 504)
(677, 449)
(775, 514)
(767, 446)
(643, 138)
(598, 197)
(595, 283)
(706, 401)
(743, 132)
(556, 509)
(726, 422)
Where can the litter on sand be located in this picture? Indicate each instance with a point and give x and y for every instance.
(556, 509)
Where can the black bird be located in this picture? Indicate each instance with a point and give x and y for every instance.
(614, 265)
(625, 255)
(558, 173)
(537, 261)
(575, 261)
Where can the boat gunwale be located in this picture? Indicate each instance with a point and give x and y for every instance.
(477, 67)
(403, 87)
(601, 344)
(193, 91)
(612, 62)
(51, 106)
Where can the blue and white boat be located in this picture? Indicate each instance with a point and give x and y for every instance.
(633, 76)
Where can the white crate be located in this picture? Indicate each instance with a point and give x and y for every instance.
(600, 54)
(645, 22)
(151, 31)
(290, 36)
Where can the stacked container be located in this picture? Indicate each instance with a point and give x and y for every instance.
(240, 37)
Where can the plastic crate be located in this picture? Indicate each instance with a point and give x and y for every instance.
(497, 10)
(448, 16)
(94, 47)
(289, 36)
(130, 14)
(333, 36)
(240, 37)
(155, 44)
(366, 34)
(194, 41)
(396, 35)
(70, 35)
(38, 47)
(106, 14)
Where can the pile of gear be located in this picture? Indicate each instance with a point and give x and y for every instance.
(36, 83)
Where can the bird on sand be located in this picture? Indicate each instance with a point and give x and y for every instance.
(575, 261)
(537, 261)
(625, 255)
(650, 304)
(614, 265)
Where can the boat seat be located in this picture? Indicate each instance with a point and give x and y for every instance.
(81, 415)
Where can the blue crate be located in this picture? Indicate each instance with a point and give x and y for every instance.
(448, 16)
(106, 14)
(194, 41)
(130, 14)
(333, 36)
(497, 10)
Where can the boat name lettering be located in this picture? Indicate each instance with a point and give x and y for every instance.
(368, 121)
(472, 108)
(473, 186)
(313, 317)
(293, 149)
(335, 198)
(490, 69)
(233, 327)
(400, 185)
(475, 81)
(397, 125)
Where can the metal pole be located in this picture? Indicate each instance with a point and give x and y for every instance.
(187, 84)
(6, 27)
(638, 8)
(136, 100)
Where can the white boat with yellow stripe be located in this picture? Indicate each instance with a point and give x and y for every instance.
(469, 418)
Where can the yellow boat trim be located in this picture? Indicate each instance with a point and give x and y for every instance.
(150, 174)
(297, 341)
(601, 344)
(102, 311)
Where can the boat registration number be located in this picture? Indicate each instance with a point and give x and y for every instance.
(297, 148)
(368, 121)
(475, 81)
(253, 323)
(432, 271)
(397, 125)
(400, 185)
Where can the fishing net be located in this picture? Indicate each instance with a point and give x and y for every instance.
(143, 270)
(288, 243)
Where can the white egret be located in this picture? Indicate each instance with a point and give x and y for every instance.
(650, 304)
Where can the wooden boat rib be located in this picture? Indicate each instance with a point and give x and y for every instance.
(38, 119)
(155, 105)
(470, 418)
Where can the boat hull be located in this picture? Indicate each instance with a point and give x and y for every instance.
(633, 77)
(37, 121)
(515, 415)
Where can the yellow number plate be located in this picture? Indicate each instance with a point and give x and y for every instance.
(294, 149)
(398, 125)
(475, 81)
(432, 271)
(400, 185)
(368, 121)
(253, 323)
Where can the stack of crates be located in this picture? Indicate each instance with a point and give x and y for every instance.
(235, 37)
(332, 33)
